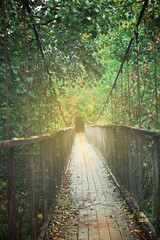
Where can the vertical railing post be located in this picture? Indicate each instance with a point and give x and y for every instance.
(61, 153)
(122, 157)
(69, 142)
(56, 162)
(67, 145)
(31, 193)
(130, 167)
(44, 174)
(125, 158)
(44, 184)
(54, 157)
(58, 159)
(109, 147)
(139, 170)
(106, 143)
(118, 152)
(113, 148)
(11, 195)
(51, 170)
(62, 150)
(156, 185)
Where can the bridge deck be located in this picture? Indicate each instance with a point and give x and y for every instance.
(101, 209)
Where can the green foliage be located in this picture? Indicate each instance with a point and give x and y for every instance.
(83, 43)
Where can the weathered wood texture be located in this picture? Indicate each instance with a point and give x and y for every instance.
(30, 172)
(132, 154)
(100, 207)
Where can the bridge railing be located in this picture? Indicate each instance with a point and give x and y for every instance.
(30, 171)
(132, 155)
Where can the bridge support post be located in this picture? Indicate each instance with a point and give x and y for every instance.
(113, 147)
(109, 147)
(63, 140)
(116, 151)
(130, 165)
(42, 176)
(126, 159)
(139, 171)
(11, 195)
(69, 142)
(122, 163)
(31, 193)
(51, 170)
(58, 159)
(156, 185)
(106, 146)
(61, 155)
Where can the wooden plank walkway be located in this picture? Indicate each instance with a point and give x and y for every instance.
(98, 201)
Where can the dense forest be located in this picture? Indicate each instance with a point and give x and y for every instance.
(62, 57)
(96, 60)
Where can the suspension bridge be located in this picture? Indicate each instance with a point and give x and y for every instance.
(114, 169)
(121, 153)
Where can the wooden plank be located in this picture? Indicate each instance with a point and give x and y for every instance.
(93, 202)
(103, 225)
(92, 212)
(100, 214)
(112, 203)
(83, 214)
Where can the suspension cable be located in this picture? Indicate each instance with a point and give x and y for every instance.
(6, 68)
(121, 66)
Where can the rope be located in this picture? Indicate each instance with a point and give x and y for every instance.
(155, 60)
(138, 84)
(129, 102)
(25, 46)
(122, 94)
(6, 69)
(47, 109)
(39, 95)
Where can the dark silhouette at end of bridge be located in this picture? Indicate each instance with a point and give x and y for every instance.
(79, 124)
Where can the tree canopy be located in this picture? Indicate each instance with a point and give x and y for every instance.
(74, 50)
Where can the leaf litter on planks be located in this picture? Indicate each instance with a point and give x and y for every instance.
(62, 220)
